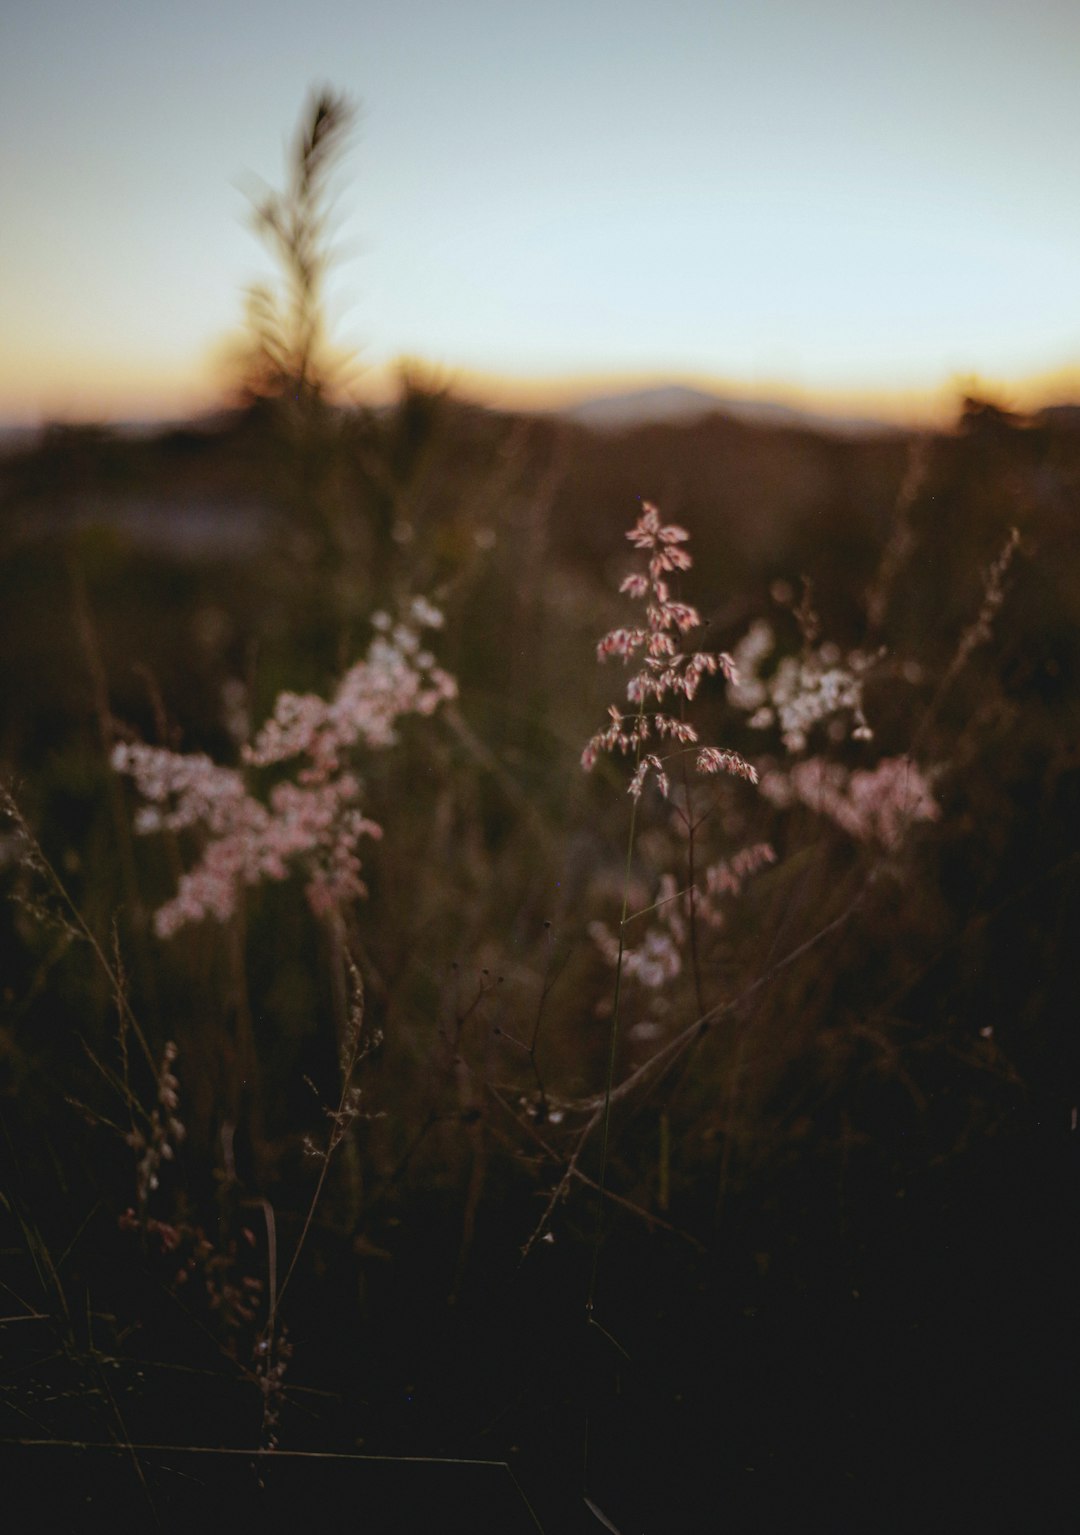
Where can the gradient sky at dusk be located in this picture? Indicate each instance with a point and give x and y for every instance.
(829, 197)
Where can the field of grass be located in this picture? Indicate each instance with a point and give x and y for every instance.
(604, 1159)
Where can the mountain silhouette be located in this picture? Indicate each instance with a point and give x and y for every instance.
(679, 402)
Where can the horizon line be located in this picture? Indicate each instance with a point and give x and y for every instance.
(911, 407)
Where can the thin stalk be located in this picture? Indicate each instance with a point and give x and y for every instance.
(103, 718)
(548, 983)
(530, 1048)
(341, 1119)
(9, 807)
(609, 1083)
(691, 878)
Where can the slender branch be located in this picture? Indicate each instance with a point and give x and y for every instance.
(669, 1052)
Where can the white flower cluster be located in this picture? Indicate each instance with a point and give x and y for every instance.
(658, 957)
(802, 692)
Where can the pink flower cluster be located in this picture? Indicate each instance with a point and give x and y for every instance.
(665, 669)
(396, 677)
(310, 822)
(876, 805)
(730, 875)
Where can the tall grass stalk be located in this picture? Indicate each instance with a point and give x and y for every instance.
(613, 1043)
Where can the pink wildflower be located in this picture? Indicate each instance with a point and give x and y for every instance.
(666, 670)
(637, 783)
(310, 822)
(710, 760)
(874, 805)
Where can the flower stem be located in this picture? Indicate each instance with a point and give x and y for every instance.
(612, 1047)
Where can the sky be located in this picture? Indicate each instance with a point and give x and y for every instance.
(839, 203)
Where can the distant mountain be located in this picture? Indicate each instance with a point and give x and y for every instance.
(15, 435)
(1066, 417)
(677, 402)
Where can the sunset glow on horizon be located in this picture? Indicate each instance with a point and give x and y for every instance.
(842, 207)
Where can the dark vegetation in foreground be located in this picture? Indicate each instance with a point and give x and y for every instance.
(836, 1281)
